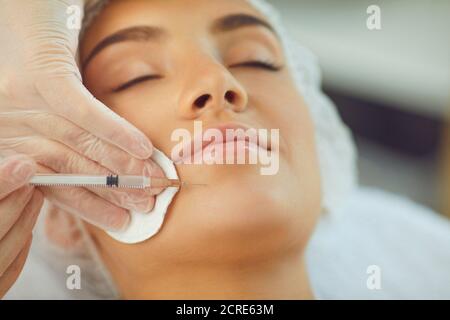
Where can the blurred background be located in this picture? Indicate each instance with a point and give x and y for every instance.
(391, 87)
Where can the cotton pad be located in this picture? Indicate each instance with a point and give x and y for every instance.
(145, 225)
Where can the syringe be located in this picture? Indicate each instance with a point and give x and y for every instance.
(110, 181)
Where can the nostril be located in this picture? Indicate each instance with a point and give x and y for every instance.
(201, 101)
(230, 96)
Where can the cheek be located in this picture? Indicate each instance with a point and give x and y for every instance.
(280, 102)
(299, 184)
(282, 106)
(297, 132)
(147, 112)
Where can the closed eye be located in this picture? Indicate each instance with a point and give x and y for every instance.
(249, 64)
(135, 81)
(258, 64)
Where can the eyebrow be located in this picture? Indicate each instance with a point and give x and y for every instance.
(146, 33)
(138, 33)
(235, 21)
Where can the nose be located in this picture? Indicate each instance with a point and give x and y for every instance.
(211, 88)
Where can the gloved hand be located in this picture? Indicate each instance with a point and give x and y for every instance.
(47, 113)
(19, 208)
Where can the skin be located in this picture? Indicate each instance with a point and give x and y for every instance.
(244, 235)
(20, 205)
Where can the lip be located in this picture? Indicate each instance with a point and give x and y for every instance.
(197, 144)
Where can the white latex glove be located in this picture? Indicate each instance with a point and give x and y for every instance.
(20, 205)
(47, 114)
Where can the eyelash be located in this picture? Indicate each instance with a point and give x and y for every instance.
(137, 80)
(266, 65)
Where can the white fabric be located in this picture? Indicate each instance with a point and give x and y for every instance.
(410, 243)
(145, 225)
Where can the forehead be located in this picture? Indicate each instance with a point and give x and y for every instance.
(186, 16)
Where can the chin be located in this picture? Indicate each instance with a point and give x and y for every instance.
(242, 215)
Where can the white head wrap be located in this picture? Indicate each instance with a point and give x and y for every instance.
(335, 149)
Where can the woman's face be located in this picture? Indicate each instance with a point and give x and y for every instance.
(162, 57)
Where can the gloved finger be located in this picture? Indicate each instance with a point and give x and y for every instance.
(68, 98)
(13, 242)
(87, 205)
(59, 129)
(12, 206)
(11, 274)
(15, 171)
(60, 158)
